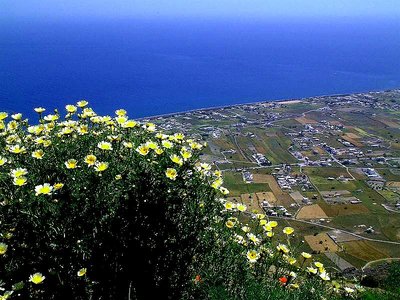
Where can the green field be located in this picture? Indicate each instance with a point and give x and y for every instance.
(234, 183)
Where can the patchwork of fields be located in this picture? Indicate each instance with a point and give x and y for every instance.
(328, 166)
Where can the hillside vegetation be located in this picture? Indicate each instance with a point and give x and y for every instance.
(100, 207)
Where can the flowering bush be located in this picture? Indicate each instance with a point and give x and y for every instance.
(100, 207)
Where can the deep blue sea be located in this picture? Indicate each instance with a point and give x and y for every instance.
(152, 67)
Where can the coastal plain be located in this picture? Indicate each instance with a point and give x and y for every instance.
(328, 166)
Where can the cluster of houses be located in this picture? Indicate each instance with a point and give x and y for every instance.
(275, 211)
(287, 181)
(261, 159)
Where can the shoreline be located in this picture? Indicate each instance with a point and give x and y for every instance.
(283, 101)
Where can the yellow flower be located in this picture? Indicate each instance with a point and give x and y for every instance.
(252, 256)
(90, 159)
(161, 136)
(71, 163)
(36, 278)
(260, 216)
(252, 237)
(128, 145)
(263, 222)
(205, 166)
(152, 145)
(3, 248)
(82, 272)
(306, 255)
(167, 144)
(101, 166)
(118, 177)
(83, 129)
(121, 119)
(71, 108)
(218, 173)
(12, 125)
(40, 140)
(17, 116)
(17, 149)
(282, 248)
(246, 229)
(96, 119)
(270, 234)
(3, 160)
(229, 205)
(38, 154)
(273, 224)
(179, 136)
(105, 146)
(318, 264)
(150, 127)
(293, 286)
(288, 230)
(129, 124)
(195, 146)
(291, 260)
(267, 227)
(82, 103)
(158, 151)
(312, 270)
(106, 119)
(20, 181)
(120, 112)
(3, 115)
(143, 150)
(229, 224)
(66, 131)
(46, 143)
(241, 207)
(185, 154)
(176, 159)
(19, 172)
(324, 276)
(51, 118)
(224, 190)
(58, 186)
(44, 189)
(39, 110)
(171, 173)
(217, 183)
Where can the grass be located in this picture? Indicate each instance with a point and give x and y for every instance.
(276, 147)
(364, 250)
(390, 196)
(233, 181)
(387, 226)
(342, 209)
(355, 261)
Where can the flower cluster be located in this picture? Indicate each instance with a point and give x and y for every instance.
(263, 245)
(52, 173)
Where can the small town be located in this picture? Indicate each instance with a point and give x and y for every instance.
(329, 166)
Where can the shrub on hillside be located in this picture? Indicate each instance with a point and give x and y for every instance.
(100, 207)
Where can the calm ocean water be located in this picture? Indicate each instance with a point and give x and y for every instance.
(152, 67)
